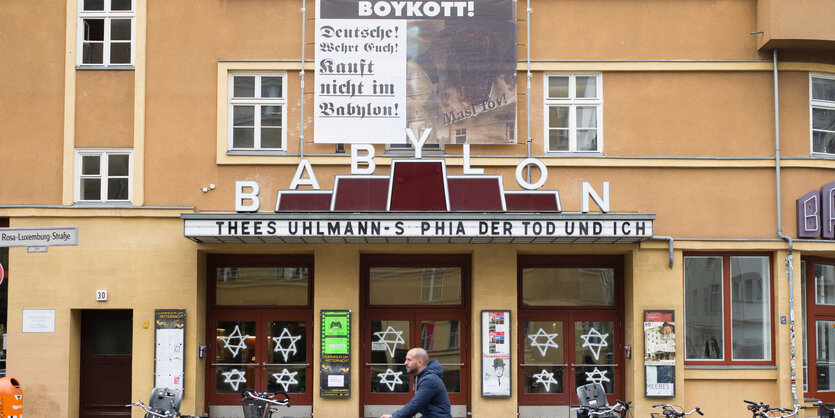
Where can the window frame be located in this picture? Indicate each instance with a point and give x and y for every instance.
(103, 154)
(256, 101)
(726, 304)
(107, 15)
(811, 313)
(820, 104)
(572, 102)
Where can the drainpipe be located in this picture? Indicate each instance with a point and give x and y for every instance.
(788, 239)
(301, 76)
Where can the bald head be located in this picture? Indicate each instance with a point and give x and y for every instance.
(416, 360)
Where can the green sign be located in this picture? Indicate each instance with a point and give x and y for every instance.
(335, 358)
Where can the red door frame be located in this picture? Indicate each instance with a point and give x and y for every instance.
(415, 314)
(814, 313)
(571, 314)
(261, 314)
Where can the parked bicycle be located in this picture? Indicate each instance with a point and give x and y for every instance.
(820, 404)
(163, 403)
(618, 410)
(764, 410)
(673, 411)
(260, 405)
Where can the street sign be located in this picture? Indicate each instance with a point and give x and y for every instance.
(39, 236)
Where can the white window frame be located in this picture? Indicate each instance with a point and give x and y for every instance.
(572, 102)
(257, 102)
(103, 154)
(107, 15)
(823, 104)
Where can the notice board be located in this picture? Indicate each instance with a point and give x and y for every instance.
(169, 354)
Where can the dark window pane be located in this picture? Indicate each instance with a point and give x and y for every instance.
(93, 5)
(586, 87)
(110, 336)
(244, 86)
(389, 379)
(270, 115)
(234, 379)
(90, 165)
(587, 140)
(120, 29)
(120, 53)
(568, 287)
(93, 29)
(823, 142)
(243, 115)
(262, 285)
(120, 5)
(389, 342)
(271, 86)
(117, 165)
(243, 138)
(558, 140)
(92, 53)
(270, 137)
(703, 308)
(823, 119)
(290, 379)
(90, 189)
(117, 189)
(544, 379)
(235, 342)
(558, 116)
(558, 87)
(750, 308)
(287, 342)
(823, 89)
(415, 286)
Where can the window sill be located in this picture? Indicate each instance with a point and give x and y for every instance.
(729, 367)
(119, 205)
(823, 156)
(256, 153)
(574, 154)
(93, 67)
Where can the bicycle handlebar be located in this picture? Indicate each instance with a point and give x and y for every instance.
(675, 412)
(266, 397)
(148, 411)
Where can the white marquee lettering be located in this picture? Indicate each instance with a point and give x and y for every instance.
(304, 165)
(543, 173)
(467, 168)
(418, 144)
(252, 196)
(368, 159)
(602, 203)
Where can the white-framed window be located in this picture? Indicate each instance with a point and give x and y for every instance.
(103, 175)
(573, 112)
(106, 30)
(257, 111)
(822, 113)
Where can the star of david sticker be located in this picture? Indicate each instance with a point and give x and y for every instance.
(384, 378)
(290, 379)
(546, 378)
(234, 377)
(391, 345)
(543, 346)
(594, 340)
(290, 349)
(597, 376)
(235, 335)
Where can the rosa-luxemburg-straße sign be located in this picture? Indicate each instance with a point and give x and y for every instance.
(39, 236)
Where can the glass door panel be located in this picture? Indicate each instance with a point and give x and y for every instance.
(390, 341)
(287, 362)
(543, 362)
(235, 361)
(594, 354)
(442, 341)
(825, 359)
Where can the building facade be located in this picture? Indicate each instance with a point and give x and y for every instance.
(649, 207)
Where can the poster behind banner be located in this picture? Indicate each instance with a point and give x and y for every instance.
(335, 377)
(382, 67)
(660, 353)
(495, 353)
(169, 354)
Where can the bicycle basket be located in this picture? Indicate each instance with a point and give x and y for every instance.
(254, 408)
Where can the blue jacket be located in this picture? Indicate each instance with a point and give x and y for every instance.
(431, 398)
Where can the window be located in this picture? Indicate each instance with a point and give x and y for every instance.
(573, 113)
(257, 117)
(106, 31)
(818, 283)
(823, 113)
(731, 321)
(103, 175)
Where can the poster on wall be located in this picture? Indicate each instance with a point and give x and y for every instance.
(495, 353)
(169, 354)
(660, 353)
(335, 377)
(444, 66)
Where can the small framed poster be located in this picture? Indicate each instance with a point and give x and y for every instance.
(495, 353)
(660, 353)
